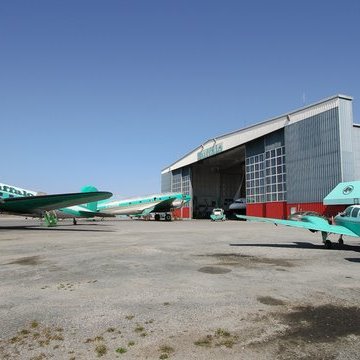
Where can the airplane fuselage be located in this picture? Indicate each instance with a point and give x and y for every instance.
(350, 219)
(135, 206)
(9, 191)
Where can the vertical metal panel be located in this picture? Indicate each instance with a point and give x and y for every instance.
(274, 140)
(356, 148)
(346, 143)
(176, 180)
(313, 160)
(255, 147)
(166, 182)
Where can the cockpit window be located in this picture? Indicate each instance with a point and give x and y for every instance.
(355, 212)
(348, 211)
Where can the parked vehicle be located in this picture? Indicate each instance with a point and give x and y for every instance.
(218, 215)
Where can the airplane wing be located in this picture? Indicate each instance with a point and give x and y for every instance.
(161, 206)
(164, 206)
(314, 223)
(147, 211)
(39, 203)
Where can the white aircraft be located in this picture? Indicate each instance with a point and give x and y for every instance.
(142, 206)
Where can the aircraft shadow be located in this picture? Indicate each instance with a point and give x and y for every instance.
(354, 260)
(58, 228)
(303, 245)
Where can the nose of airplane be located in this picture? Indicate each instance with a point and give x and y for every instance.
(186, 198)
(177, 203)
(180, 202)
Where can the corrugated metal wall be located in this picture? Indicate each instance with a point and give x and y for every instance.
(274, 140)
(346, 143)
(313, 159)
(255, 147)
(166, 182)
(356, 146)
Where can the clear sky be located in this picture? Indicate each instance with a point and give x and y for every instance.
(110, 92)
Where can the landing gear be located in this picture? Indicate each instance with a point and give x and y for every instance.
(328, 244)
(163, 216)
(50, 218)
(74, 221)
(326, 241)
(341, 240)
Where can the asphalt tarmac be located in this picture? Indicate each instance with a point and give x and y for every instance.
(181, 290)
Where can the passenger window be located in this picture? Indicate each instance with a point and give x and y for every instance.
(355, 212)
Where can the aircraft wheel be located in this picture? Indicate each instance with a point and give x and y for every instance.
(328, 244)
(157, 217)
(167, 217)
(74, 221)
(341, 242)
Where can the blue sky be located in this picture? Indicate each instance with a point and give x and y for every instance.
(110, 92)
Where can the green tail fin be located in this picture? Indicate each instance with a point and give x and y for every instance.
(93, 205)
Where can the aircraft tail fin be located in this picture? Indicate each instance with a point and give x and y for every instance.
(93, 205)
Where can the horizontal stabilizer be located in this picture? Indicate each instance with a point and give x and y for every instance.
(345, 193)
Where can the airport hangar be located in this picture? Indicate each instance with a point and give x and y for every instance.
(282, 165)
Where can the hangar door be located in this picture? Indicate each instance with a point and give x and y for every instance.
(217, 181)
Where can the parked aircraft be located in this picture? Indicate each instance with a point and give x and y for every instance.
(238, 204)
(345, 223)
(142, 206)
(18, 201)
(89, 210)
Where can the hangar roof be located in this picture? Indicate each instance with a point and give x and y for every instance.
(236, 138)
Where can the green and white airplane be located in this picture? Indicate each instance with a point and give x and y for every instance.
(18, 201)
(143, 206)
(345, 223)
(87, 211)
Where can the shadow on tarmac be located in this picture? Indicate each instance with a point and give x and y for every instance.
(304, 245)
(57, 228)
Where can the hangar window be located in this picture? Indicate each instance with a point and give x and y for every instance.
(181, 181)
(269, 172)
